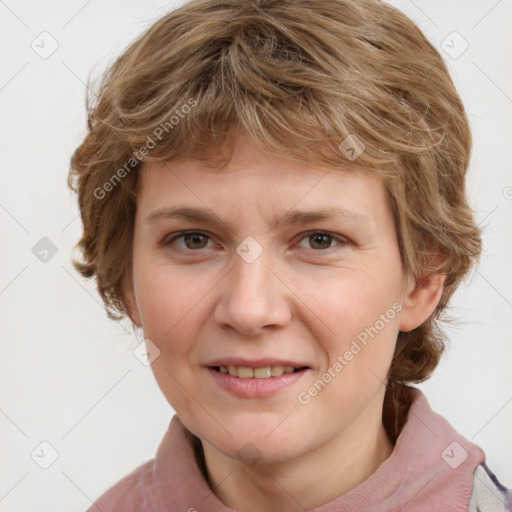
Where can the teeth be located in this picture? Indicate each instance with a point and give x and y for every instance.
(244, 372)
(276, 371)
(262, 373)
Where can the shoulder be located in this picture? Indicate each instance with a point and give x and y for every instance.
(489, 495)
(133, 493)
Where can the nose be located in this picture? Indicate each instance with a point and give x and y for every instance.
(253, 297)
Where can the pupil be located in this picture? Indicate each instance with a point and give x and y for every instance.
(193, 237)
(321, 237)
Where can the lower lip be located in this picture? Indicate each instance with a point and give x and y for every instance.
(255, 387)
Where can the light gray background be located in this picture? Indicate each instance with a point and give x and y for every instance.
(68, 375)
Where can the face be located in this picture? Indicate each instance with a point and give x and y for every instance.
(259, 288)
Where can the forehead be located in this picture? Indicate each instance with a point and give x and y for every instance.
(256, 183)
(225, 206)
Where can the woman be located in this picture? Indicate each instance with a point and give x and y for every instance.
(274, 192)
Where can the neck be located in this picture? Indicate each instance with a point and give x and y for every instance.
(307, 481)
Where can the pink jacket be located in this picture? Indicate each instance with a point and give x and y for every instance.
(432, 468)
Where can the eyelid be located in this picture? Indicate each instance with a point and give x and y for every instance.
(334, 236)
(342, 240)
(174, 236)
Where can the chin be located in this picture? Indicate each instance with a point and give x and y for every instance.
(264, 443)
(262, 452)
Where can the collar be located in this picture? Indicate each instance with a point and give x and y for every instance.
(430, 469)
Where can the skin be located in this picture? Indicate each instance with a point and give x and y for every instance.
(302, 299)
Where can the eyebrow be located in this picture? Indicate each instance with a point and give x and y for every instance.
(292, 217)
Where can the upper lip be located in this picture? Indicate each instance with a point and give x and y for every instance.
(255, 363)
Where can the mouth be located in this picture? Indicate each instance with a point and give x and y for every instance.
(260, 378)
(262, 372)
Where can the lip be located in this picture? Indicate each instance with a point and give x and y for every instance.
(255, 363)
(255, 388)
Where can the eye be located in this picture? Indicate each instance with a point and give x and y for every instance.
(321, 240)
(196, 240)
(192, 239)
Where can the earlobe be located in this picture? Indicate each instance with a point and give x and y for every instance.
(130, 303)
(421, 301)
(132, 310)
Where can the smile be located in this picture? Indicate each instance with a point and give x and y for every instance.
(257, 382)
(265, 372)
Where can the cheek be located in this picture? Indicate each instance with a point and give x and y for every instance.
(353, 305)
(358, 354)
(358, 329)
(170, 306)
(168, 301)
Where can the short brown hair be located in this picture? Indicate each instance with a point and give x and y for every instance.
(299, 76)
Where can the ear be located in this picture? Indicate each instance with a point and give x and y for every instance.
(422, 298)
(129, 300)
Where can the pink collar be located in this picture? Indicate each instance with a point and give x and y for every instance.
(430, 469)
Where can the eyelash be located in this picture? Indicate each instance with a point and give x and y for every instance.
(341, 240)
